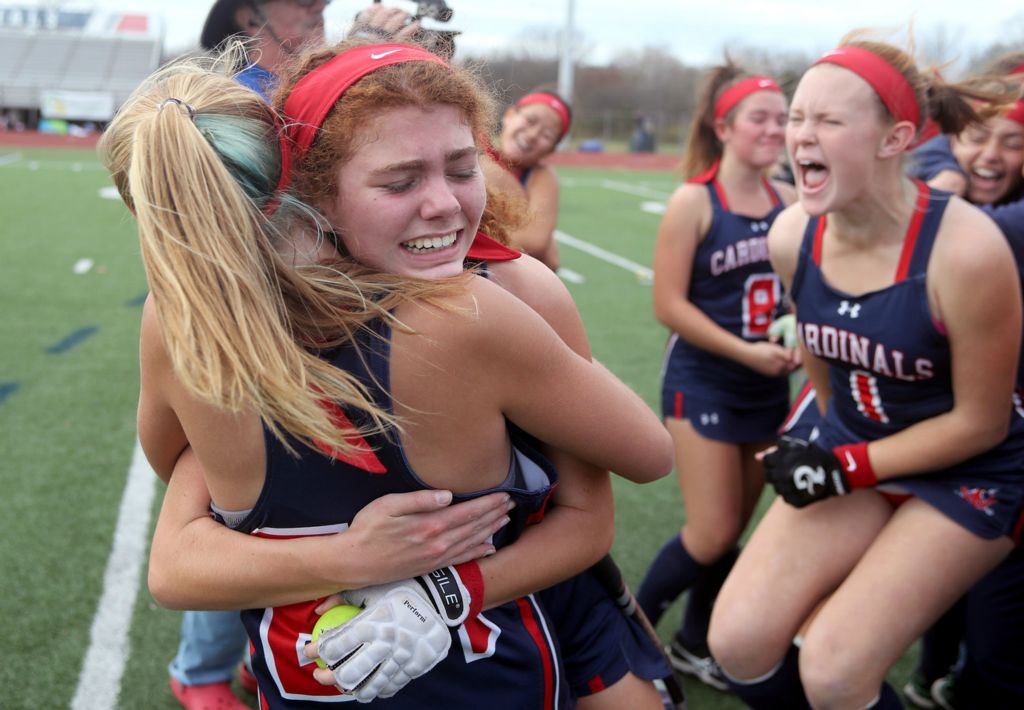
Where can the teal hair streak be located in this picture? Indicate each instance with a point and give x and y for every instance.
(248, 149)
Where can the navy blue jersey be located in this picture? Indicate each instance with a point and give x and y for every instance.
(504, 658)
(732, 282)
(889, 367)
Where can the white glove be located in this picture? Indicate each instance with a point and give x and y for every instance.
(447, 589)
(397, 638)
(402, 631)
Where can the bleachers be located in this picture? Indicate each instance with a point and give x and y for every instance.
(133, 62)
(36, 61)
(13, 48)
(89, 65)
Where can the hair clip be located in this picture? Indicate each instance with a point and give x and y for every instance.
(188, 107)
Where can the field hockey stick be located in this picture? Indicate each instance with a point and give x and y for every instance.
(610, 578)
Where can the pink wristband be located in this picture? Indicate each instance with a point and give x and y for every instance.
(473, 581)
(856, 464)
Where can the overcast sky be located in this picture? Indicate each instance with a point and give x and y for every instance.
(694, 30)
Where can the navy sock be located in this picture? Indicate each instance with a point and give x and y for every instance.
(671, 572)
(888, 700)
(694, 632)
(780, 689)
(940, 645)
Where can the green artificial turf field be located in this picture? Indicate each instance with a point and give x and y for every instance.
(68, 384)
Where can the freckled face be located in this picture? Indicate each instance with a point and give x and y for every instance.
(411, 197)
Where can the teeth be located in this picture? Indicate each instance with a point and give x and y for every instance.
(986, 173)
(425, 244)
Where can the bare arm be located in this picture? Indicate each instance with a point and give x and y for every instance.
(685, 223)
(550, 391)
(537, 236)
(197, 563)
(578, 528)
(160, 431)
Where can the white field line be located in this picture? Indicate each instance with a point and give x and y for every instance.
(604, 255)
(571, 276)
(10, 158)
(99, 682)
(638, 190)
(72, 165)
(616, 186)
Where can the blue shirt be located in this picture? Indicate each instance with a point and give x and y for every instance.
(932, 157)
(258, 79)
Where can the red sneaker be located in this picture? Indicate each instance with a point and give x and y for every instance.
(246, 679)
(209, 696)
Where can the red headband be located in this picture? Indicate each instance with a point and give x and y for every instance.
(1016, 112)
(315, 94)
(741, 90)
(551, 101)
(891, 86)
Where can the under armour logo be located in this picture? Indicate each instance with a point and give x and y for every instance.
(806, 478)
(761, 226)
(709, 418)
(845, 308)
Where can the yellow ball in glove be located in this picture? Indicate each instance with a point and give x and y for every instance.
(335, 616)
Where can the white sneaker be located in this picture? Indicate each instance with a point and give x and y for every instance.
(704, 668)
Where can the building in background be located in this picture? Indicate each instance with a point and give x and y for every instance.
(65, 68)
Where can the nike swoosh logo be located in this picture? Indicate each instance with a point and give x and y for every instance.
(383, 54)
(851, 465)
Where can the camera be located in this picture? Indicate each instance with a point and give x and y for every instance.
(440, 42)
(434, 9)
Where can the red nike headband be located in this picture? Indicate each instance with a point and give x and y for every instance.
(553, 102)
(315, 94)
(891, 86)
(741, 90)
